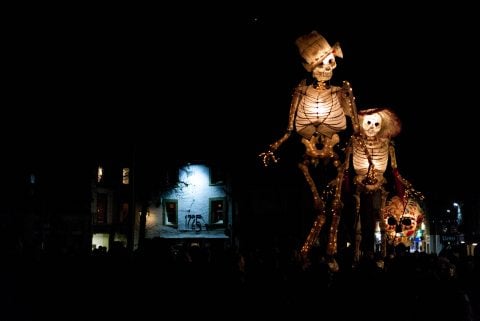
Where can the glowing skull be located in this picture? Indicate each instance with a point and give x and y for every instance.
(372, 124)
(401, 222)
(411, 217)
(324, 70)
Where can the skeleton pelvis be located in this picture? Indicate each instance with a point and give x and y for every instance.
(327, 142)
(360, 181)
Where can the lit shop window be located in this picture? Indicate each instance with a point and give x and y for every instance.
(126, 176)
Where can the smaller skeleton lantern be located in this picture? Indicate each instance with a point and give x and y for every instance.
(372, 147)
(402, 217)
(371, 152)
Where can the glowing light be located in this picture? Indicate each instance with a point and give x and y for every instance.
(125, 175)
(99, 174)
(459, 212)
(196, 175)
(100, 239)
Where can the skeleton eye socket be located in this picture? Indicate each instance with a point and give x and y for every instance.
(377, 124)
(407, 222)
(369, 122)
(331, 61)
(392, 221)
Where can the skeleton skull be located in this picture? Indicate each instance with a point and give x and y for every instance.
(401, 222)
(324, 70)
(372, 124)
(411, 218)
(315, 50)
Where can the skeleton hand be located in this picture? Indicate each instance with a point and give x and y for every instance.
(268, 157)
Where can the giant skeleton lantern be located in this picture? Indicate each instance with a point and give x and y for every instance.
(318, 113)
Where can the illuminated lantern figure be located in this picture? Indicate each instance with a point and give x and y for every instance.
(402, 217)
(372, 149)
(317, 110)
(318, 113)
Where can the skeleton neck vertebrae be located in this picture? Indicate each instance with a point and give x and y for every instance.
(319, 85)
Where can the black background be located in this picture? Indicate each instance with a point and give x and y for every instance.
(209, 82)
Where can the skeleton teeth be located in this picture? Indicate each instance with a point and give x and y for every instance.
(324, 75)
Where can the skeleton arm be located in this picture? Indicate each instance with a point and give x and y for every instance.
(349, 107)
(269, 156)
(393, 157)
(403, 186)
(400, 182)
(291, 119)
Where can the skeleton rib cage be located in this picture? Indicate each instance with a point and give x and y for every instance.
(374, 149)
(320, 109)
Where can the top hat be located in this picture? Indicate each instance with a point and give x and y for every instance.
(313, 47)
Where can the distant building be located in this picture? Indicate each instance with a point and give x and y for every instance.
(445, 231)
(191, 202)
(113, 207)
(48, 211)
(197, 205)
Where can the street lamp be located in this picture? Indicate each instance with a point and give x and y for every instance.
(459, 212)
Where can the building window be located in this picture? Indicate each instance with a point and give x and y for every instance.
(171, 176)
(171, 212)
(99, 174)
(126, 176)
(217, 175)
(123, 213)
(218, 212)
(101, 215)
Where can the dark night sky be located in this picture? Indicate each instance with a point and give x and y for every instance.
(206, 85)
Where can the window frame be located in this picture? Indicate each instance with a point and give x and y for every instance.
(217, 175)
(166, 220)
(211, 208)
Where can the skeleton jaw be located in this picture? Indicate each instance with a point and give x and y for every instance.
(324, 70)
(322, 76)
(371, 132)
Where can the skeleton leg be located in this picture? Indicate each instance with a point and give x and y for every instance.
(336, 208)
(383, 225)
(358, 227)
(318, 204)
(319, 207)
